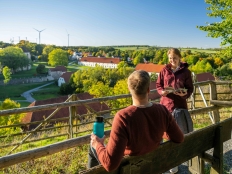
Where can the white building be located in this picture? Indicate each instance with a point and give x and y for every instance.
(64, 78)
(101, 61)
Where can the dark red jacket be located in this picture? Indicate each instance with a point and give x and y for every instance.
(180, 79)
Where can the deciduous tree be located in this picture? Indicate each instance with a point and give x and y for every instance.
(222, 10)
(58, 57)
(40, 69)
(14, 58)
(10, 119)
(7, 74)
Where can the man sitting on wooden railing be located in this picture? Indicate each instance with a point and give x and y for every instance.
(137, 129)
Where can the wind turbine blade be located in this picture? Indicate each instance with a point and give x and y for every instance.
(67, 32)
(36, 29)
(42, 30)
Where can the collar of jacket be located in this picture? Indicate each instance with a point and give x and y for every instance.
(182, 66)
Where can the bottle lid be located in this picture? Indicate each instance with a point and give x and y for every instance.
(99, 118)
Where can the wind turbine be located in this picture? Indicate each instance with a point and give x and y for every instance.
(39, 33)
(68, 37)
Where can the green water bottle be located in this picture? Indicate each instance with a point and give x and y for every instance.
(98, 127)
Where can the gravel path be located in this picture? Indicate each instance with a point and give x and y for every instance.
(27, 94)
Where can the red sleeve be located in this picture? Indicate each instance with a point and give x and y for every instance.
(111, 155)
(188, 84)
(160, 83)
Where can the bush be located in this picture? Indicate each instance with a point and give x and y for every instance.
(66, 89)
(40, 69)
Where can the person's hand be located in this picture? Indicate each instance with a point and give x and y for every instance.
(95, 139)
(164, 93)
(180, 93)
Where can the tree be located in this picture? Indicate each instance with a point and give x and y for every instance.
(121, 88)
(218, 62)
(158, 56)
(58, 57)
(202, 66)
(66, 88)
(138, 59)
(40, 69)
(10, 119)
(220, 9)
(225, 70)
(46, 52)
(14, 58)
(122, 64)
(6, 73)
(154, 76)
(100, 90)
(192, 59)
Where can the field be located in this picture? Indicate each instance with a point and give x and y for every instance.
(182, 49)
(131, 48)
(199, 50)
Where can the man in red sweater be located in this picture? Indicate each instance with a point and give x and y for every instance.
(137, 129)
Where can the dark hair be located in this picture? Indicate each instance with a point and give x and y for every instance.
(139, 82)
(175, 51)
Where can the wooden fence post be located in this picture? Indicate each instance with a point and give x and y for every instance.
(74, 109)
(196, 165)
(213, 96)
(70, 130)
(217, 165)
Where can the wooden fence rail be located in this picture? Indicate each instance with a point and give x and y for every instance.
(195, 144)
(169, 154)
(213, 109)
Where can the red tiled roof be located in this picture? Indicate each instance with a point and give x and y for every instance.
(63, 112)
(59, 68)
(66, 76)
(149, 67)
(100, 60)
(204, 77)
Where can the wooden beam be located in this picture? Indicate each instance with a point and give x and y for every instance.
(213, 96)
(169, 154)
(221, 103)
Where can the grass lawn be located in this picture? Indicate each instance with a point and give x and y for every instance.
(24, 104)
(15, 91)
(198, 50)
(50, 91)
(74, 67)
(22, 74)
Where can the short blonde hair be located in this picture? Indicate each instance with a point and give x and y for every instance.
(174, 51)
(139, 82)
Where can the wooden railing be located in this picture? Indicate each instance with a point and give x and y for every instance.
(212, 108)
(169, 154)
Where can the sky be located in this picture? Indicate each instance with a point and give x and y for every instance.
(165, 23)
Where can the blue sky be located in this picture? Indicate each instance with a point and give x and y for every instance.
(169, 23)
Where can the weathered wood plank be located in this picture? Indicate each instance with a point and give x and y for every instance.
(44, 151)
(202, 140)
(195, 143)
(221, 103)
(62, 105)
(80, 102)
(213, 96)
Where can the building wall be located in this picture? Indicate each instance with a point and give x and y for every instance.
(93, 64)
(61, 81)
